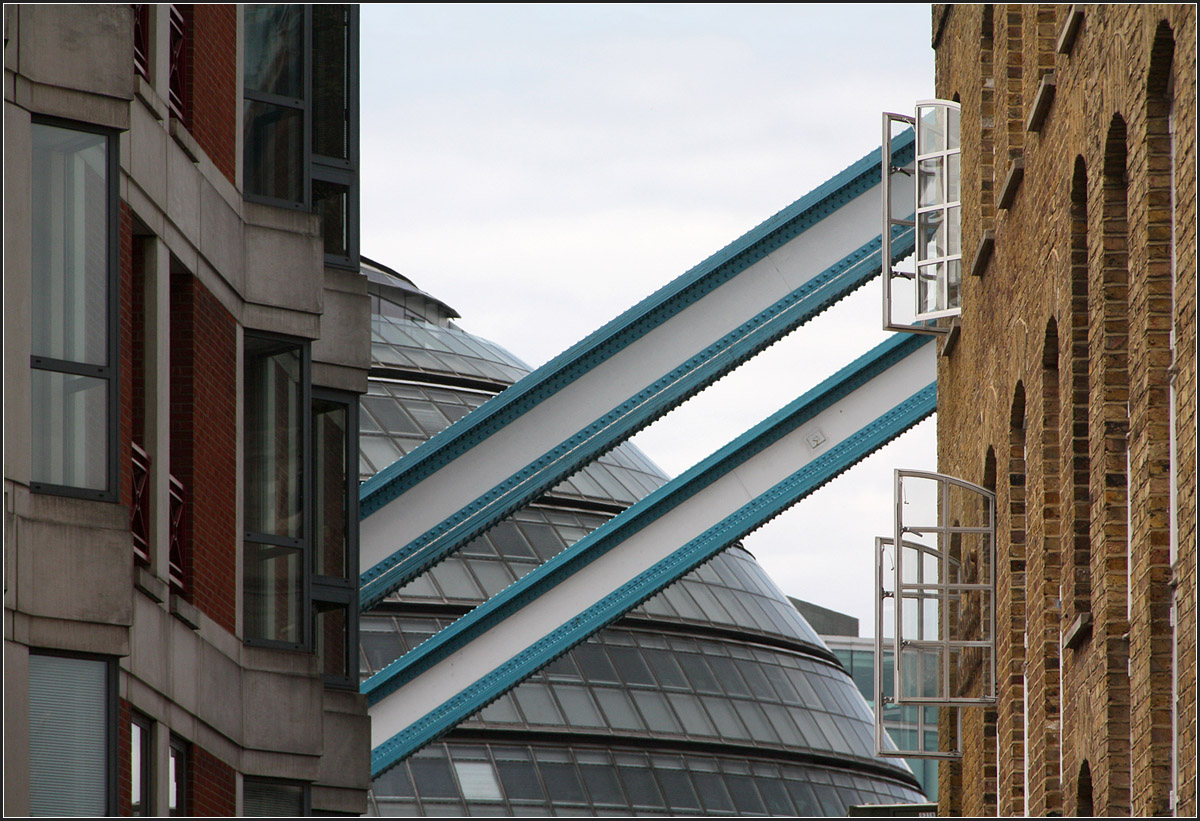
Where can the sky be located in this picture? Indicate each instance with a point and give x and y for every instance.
(541, 168)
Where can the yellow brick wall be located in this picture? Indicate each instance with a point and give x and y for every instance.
(1063, 372)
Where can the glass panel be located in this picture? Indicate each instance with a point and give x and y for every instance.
(953, 115)
(929, 182)
(274, 151)
(656, 712)
(69, 430)
(478, 781)
(594, 663)
(633, 668)
(601, 781)
(520, 779)
(677, 786)
(537, 705)
(177, 779)
(953, 178)
(332, 202)
(273, 437)
(68, 738)
(395, 782)
(331, 81)
(618, 709)
(640, 786)
(578, 705)
(331, 503)
(139, 760)
(274, 593)
(932, 234)
(274, 46)
(332, 637)
(70, 247)
(562, 782)
(931, 128)
(432, 776)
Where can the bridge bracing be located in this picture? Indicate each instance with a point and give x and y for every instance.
(599, 393)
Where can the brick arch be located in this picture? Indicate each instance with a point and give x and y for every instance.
(1151, 347)
(1011, 616)
(1043, 577)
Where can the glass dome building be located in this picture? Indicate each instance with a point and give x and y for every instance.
(715, 697)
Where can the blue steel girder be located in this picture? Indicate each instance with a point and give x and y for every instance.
(841, 455)
(639, 410)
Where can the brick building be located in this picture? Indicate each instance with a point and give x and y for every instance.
(186, 336)
(1069, 389)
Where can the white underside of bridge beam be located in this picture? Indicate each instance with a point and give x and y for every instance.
(707, 507)
(604, 387)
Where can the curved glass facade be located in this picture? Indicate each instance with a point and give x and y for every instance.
(713, 697)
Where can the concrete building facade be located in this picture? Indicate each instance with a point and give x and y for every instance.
(1068, 387)
(186, 334)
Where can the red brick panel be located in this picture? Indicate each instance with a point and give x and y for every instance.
(215, 94)
(204, 443)
(212, 789)
(124, 759)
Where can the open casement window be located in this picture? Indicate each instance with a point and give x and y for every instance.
(936, 213)
(944, 591)
(901, 731)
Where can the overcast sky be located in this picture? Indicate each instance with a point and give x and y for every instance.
(542, 168)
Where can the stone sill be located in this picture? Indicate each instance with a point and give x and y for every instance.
(1070, 30)
(1012, 182)
(1041, 103)
(983, 253)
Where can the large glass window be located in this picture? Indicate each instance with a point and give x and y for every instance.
(301, 116)
(73, 346)
(276, 411)
(335, 529)
(72, 712)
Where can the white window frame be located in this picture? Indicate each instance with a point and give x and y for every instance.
(917, 590)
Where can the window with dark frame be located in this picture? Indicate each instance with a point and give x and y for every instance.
(140, 771)
(177, 779)
(335, 536)
(301, 116)
(72, 734)
(277, 403)
(74, 319)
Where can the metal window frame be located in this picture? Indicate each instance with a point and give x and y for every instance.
(881, 698)
(317, 167)
(183, 792)
(892, 225)
(332, 589)
(110, 372)
(944, 645)
(304, 542)
(943, 154)
(112, 746)
(146, 725)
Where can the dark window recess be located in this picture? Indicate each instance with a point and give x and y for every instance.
(179, 96)
(177, 777)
